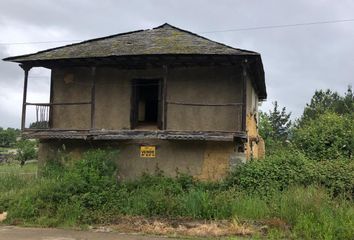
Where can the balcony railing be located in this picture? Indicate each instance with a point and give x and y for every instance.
(43, 113)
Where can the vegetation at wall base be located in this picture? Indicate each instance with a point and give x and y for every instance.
(289, 196)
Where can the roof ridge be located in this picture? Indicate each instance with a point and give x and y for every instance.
(205, 38)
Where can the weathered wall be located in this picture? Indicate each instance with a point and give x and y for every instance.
(255, 147)
(113, 90)
(204, 85)
(71, 85)
(252, 98)
(206, 161)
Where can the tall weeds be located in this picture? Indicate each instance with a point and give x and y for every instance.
(87, 192)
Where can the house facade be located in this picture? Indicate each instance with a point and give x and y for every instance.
(166, 98)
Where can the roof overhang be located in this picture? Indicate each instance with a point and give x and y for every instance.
(158, 60)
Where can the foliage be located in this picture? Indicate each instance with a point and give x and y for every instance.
(39, 125)
(287, 168)
(274, 126)
(272, 174)
(312, 214)
(336, 176)
(328, 137)
(87, 192)
(328, 101)
(13, 168)
(26, 150)
(8, 137)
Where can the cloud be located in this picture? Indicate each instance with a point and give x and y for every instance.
(297, 60)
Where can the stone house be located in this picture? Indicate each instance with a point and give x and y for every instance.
(167, 98)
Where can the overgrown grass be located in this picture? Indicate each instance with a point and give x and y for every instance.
(15, 168)
(276, 192)
(13, 177)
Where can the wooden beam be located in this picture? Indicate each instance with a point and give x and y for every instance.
(93, 97)
(164, 97)
(26, 69)
(134, 134)
(244, 94)
(62, 104)
(204, 104)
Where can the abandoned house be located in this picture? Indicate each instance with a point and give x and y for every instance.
(167, 98)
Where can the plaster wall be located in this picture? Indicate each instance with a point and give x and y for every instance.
(203, 160)
(206, 85)
(255, 146)
(71, 86)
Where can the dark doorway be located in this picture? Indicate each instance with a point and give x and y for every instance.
(145, 103)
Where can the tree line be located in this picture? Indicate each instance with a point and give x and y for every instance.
(324, 131)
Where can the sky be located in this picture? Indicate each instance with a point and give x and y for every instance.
(297, 60)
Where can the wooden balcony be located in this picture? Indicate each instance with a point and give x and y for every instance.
(133, 134)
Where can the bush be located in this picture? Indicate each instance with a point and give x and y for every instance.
(86, 187)
(274, 173)
(327, 137)
(287, 168)
(26, 150)
(337, 176)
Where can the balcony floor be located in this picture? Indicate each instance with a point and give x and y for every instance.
(133, 134)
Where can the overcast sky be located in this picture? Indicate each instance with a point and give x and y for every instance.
(297, 60)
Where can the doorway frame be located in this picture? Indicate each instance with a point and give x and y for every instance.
(134, 103)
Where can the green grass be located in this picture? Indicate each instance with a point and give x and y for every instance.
(14, 178)
(6, 149)
(15, 168)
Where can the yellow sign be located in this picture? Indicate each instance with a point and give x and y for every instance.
(148, 151)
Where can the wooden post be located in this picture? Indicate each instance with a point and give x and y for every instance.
(164, 98)
(25, 68)
(244, 94)
(93, 93)
(51, 100)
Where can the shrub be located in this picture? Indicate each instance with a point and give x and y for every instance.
(327, 137)
(273, 174)
(287, 168)
(89, 185)
(337, 176)
(26, 150)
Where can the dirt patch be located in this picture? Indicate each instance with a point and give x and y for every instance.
(277, 223)
(3, 216)
(182, 227)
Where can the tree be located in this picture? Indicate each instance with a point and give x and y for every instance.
(328, 101)
(275, 126)
(26, 150)
(39, 125)
(8, 136)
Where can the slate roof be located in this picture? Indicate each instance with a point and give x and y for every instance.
(165, 39)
